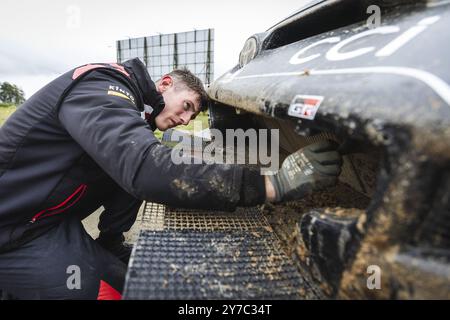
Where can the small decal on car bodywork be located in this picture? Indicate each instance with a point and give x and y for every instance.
(305, 106)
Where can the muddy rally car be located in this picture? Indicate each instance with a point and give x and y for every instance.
(374, 76)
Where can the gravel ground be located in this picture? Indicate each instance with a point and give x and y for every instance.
(91, 222)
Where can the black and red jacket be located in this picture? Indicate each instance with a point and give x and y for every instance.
(64, 148)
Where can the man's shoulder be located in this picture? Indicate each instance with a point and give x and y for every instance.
(109, 85)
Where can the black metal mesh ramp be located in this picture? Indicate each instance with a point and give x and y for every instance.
(191, 264)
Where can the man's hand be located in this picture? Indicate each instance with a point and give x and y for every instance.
(309, 169)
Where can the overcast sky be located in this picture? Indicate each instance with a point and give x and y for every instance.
(41, 39)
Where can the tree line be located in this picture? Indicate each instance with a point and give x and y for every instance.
(11, 94)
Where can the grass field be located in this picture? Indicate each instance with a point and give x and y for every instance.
(5, 111)
(202, 119)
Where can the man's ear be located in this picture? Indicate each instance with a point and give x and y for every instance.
(165, 83)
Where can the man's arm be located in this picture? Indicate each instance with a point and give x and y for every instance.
(109, 128)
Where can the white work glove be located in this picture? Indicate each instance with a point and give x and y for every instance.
(309, 169)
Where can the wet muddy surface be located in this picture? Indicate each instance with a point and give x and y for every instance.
(339, 201)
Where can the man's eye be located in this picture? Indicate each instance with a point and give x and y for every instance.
(185, 106)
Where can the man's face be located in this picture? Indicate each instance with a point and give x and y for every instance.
(182, 104)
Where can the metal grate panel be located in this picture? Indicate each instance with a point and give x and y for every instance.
(158, 217)
(210, 265)
(249, 219)
(153, 216)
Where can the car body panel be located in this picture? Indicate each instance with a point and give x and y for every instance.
(385, 90)
(409, 87)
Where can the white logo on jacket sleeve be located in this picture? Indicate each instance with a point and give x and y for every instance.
(119, 92)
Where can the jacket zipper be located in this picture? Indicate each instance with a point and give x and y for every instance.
(63, 206)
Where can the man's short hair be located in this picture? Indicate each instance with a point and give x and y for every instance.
(192, 82)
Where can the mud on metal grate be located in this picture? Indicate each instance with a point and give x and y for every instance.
(158, 217)
(242, 219)
(153, 216)
(210, 265)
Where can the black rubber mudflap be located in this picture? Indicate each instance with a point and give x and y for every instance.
(189, 264)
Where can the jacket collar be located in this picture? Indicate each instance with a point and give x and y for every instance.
(146, 85)
(151, 96)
